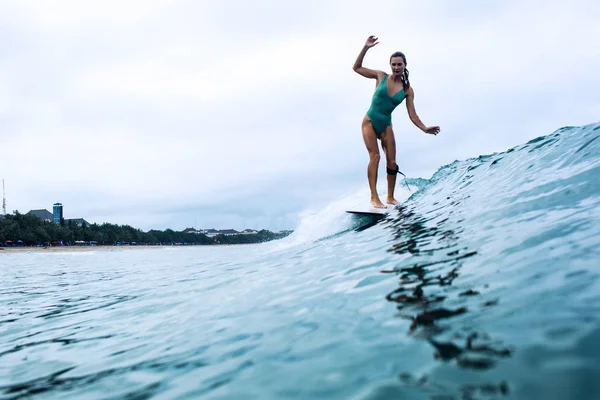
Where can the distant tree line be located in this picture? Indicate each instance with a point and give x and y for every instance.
(29, 230)
(258, 237)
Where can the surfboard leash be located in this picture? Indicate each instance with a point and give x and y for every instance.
(397, 171)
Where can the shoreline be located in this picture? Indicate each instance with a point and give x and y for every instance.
(56, 249)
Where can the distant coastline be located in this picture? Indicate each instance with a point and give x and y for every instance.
(54, 249)
(86, 249)
(28, 231)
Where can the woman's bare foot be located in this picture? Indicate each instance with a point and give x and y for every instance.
(377, 203)
(391, 200)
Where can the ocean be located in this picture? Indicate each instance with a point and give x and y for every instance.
(482, 284)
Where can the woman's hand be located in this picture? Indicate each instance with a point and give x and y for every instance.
(432, 130)
(371, 41)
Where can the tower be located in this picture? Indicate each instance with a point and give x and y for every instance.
(3, 199)
(57, 213)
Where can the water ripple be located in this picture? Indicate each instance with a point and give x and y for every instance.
(483, 285)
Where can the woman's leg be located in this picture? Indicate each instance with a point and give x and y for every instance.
(388, 143)
(371, 142)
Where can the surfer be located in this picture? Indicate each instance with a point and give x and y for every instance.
(377, 123)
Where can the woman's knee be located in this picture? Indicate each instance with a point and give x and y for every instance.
(374, 156)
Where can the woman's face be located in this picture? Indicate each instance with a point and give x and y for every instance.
(397, 65)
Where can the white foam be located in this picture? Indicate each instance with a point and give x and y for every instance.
(316, 224)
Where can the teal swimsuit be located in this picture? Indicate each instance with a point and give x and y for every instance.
(382, 106)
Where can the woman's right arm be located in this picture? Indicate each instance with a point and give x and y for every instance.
(358, 68)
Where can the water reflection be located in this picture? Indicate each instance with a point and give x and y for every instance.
(430, 259)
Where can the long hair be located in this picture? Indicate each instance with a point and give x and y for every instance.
(404, 77)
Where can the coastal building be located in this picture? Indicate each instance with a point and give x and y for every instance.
(78, 221)
(57, 216)
(44, 215)
(228, 232)
(210, 232)
(57, 213)
(215, 232)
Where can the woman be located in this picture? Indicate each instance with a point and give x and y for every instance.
(377, 123)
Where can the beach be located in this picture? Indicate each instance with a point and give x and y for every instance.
(65, 249)
(54, 249)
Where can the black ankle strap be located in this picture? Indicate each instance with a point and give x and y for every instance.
(397, 171)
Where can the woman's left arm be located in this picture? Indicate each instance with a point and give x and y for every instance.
(412, 114)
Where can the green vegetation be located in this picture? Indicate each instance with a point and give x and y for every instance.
(259, 237)
(29, 230)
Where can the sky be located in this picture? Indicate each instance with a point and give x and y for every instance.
(234, 114)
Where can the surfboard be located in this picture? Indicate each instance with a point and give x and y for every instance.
(375, 212)
(366, 217)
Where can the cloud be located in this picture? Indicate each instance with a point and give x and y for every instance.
(149, 113)
(62, 14)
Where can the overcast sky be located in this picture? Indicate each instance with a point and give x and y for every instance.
(242, 114)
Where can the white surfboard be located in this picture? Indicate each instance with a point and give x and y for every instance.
(372, 211)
